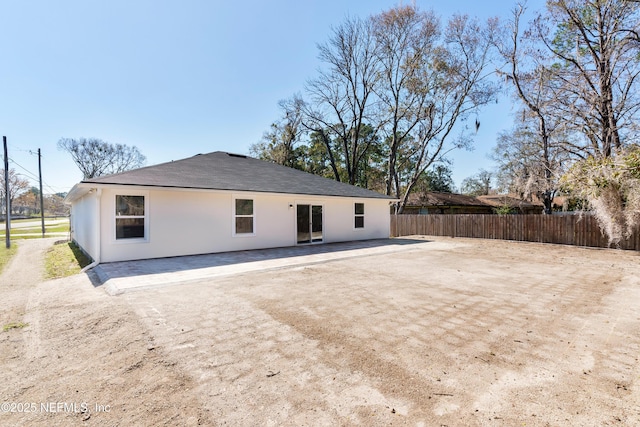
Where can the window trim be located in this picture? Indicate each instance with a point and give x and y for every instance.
(234, 216)
(357, 215)
(127, 240)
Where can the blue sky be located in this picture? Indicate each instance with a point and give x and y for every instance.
(176, 78)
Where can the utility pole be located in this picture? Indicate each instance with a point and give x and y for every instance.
(7, 222)
(41, 197)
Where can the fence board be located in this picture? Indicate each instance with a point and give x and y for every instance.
(566, 229)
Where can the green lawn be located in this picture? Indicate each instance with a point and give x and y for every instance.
(64, 259)
(33, 232)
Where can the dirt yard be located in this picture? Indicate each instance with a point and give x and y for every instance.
(457, 332)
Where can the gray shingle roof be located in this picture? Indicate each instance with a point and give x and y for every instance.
(225, 171)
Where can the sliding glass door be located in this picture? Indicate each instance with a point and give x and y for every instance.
(309, 223)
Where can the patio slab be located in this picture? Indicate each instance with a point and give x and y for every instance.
(120, 277)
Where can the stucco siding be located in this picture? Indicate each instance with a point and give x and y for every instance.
(188, 222)
(340, 220)
(83, 224)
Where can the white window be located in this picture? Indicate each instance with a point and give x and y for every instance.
(359, 215)
(130, 217)
(243, 216)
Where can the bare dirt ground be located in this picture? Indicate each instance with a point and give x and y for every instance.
(464, 332)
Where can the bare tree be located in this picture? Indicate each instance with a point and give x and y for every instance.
(95, 157)
(341, 96)
(595, 81)
(406, 40)
(457, 84)
(17, 186)
(528, 167)
(395, 86)
(528, 72)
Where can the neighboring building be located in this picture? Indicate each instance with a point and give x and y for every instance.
(445, 203)
(218, 202)
(516, 205)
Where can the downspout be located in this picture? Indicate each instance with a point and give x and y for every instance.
(97, 234)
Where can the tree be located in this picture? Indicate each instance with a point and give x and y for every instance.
(279, 144)
(457, 83)
(54, 204)
(392, 99)
(611, 185)
(437, 178)
(595, 46)
(27, 202)
(406, 39)
(528, 72)
(341, 96)
(95, 157)
(478, 184)
(528, 165)
(17, 186)
(433, 79)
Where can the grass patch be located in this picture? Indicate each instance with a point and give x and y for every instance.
(14, 325)
(6, 254)
(64, 259)
(32, 236)
(35, 232)
(53, 228)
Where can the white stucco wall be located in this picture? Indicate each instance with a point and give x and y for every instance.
(85, 224)
(188, 222)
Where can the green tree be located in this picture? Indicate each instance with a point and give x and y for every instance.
(478, 184)
(438, 178)
(280, 143)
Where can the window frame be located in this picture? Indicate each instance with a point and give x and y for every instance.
(357, 215)
(235, 215)
(145, 217)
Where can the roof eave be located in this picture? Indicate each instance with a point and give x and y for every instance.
(78, 191)
(85, 187)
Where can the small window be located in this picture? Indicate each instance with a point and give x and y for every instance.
(244, 216)
(359, 215)
(130, 217)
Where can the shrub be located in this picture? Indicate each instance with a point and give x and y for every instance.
(611, 186)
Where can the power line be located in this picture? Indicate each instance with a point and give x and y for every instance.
(15, 148)
(34, 176)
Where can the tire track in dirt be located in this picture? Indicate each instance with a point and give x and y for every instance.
(341, 350)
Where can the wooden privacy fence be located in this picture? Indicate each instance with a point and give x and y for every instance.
(563, 229)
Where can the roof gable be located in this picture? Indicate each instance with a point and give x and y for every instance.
(224, 171)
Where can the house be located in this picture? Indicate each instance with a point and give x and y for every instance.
(515, 204)
(433, 202)
(218, 202)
